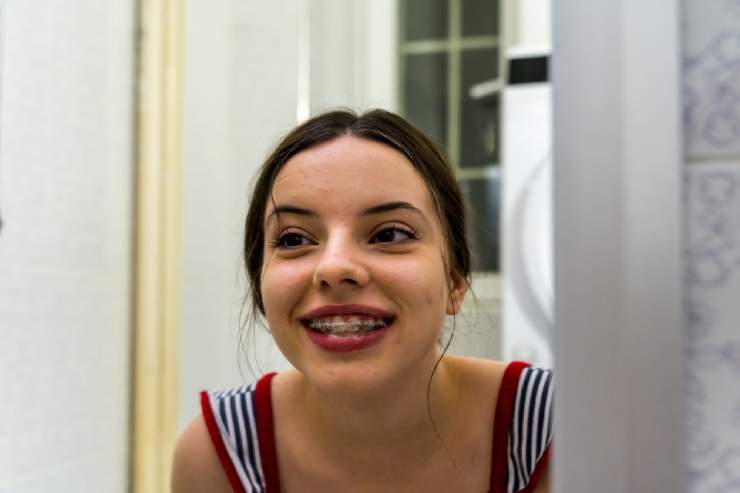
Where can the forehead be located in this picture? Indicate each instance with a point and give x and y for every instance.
(347, 173)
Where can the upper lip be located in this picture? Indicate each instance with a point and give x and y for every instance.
(354, 309)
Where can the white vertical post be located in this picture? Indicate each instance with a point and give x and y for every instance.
(303, 92)
(158, 223)
(617, 152)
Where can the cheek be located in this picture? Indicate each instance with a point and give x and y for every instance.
(282, 285)
(420, 284)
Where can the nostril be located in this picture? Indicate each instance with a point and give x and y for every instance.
(338, 271)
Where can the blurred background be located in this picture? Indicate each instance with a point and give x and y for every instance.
(131, 132)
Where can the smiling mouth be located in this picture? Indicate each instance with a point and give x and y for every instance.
(347, 325)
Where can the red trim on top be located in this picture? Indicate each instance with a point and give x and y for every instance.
(501, 424)
(539, 469)
(223, 455)
(266, 434)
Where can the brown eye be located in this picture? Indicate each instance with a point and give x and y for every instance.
(291, 240)
(392, 235)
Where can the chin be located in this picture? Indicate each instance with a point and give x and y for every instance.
(349, 377)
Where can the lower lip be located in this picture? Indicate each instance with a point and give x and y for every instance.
(346, 344)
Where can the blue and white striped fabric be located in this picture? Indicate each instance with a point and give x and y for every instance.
(531, 426)
(234, 412)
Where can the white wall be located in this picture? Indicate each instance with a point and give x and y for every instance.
(65, 198)
(353, 54)
(528, 23)
(617, 224)
(241, 90)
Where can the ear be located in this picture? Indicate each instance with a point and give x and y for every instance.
(456, 295)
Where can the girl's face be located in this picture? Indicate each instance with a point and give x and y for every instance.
(353, 282)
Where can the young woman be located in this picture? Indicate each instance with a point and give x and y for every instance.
(356, 253)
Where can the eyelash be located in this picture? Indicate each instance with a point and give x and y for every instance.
(279, 241)
(407, 231)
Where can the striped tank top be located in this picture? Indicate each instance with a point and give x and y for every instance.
(240, 424)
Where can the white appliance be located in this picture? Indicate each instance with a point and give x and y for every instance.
(527, 262)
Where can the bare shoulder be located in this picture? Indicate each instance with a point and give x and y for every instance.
(478, 382)
(196, 468)
(477, 374)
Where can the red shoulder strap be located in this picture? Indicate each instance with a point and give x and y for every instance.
(501, 424)
(538, 471)
(223, 455)
(266, 434)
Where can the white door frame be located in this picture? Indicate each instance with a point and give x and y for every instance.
(617, 216)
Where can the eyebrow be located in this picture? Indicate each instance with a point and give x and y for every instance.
(376, 209)
(391, 206)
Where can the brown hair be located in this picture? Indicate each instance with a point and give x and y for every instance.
(380, 126)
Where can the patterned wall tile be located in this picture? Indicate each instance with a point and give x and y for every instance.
(713, 330)
(711, 65)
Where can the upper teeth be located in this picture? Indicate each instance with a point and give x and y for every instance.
(339, 323)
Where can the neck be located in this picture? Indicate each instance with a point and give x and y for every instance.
(398, 415)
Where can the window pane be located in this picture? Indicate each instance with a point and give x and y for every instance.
(480, 17)
(424, 19)
(484, 197)
(479, 133)
(425, 93)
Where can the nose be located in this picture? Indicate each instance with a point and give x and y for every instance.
(339, 267)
